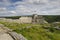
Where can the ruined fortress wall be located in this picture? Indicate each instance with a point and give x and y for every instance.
(25, 20)
(35, 19)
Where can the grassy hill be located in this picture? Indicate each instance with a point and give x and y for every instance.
(34, 31)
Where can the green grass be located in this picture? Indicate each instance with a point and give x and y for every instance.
(36, 32)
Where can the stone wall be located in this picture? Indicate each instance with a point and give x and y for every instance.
(35, 19)
(25, 20)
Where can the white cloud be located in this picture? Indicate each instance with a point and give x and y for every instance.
(42, 7)
(3, 10)
(13, 12)
(30, 7)
(35, 1)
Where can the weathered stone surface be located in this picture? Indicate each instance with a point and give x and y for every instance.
(25, 20)
(5, 36)
(56, 24)
(5, 29)
(17, 36)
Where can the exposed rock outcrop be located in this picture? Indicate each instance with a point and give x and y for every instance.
(8, 34)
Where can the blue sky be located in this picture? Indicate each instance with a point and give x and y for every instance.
(28, 7)
(15, 0)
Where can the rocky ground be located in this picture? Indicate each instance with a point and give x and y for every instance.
(7, 34)
(4, 36)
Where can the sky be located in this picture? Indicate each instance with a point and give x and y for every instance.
(29, 7)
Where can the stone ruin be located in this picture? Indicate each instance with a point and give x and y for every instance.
(37, 19)
(34, 19)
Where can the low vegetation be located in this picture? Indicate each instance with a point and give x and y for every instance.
(13, 17)
(51, 18)
(34, 31)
